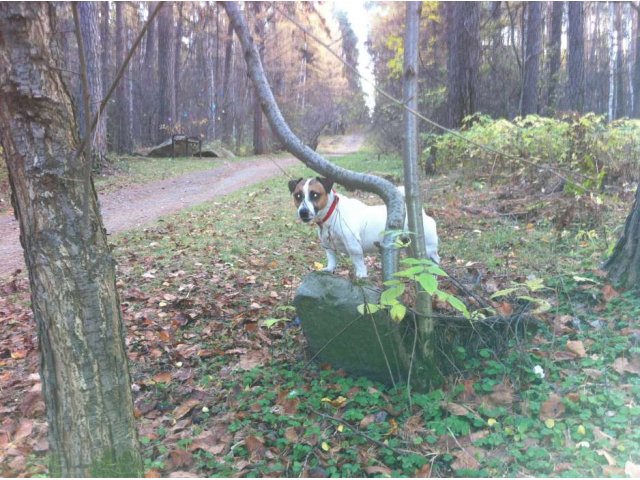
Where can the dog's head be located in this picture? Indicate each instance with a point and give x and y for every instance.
(311, 196)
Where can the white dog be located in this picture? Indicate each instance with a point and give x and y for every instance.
(347, 225)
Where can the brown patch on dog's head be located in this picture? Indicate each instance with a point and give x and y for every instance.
(310, 196)
(319, 189)
(293, 184)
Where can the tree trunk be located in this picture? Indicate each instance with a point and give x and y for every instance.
(166, 66)
(258, 128)
(533, 49)
(636, 66)
(105, 65)
(463, 59)
(555, 52)
(624, 264)
(385, 189)
(620, 97)
(576, 56)
(84, 371)
(88, 16)
(426, 372)
(227, 104)
(613, 63)
(176, 68)
(150, 70)
(124, 141)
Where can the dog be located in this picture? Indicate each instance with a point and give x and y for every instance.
(347, 225)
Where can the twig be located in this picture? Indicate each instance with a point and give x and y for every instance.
(397, 451)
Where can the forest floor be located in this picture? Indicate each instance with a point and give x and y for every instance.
(224, 385)
(135, 205)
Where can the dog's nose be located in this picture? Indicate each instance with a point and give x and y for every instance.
(305, 215)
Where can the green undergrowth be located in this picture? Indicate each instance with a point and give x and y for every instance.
(207, 298)
(223, 385)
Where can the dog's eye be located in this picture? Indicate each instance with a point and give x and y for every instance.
(297, 196)
(314, 195)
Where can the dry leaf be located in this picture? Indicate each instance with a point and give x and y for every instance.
(561, 324)
(592, 373)
(553, 408)
(377, 470)
(608, 293)
(424, 472)
(180, 458)
(291, 434)
(622, 365)
(467, 458)
(185, 408)
(504, 309)
(455, 409)
(253, 359)
(24, 430)
(577, 347)
(181, 474)
(162, 377)
(255, 447)
(501, 396)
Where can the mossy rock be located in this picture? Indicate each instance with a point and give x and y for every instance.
(337, 334)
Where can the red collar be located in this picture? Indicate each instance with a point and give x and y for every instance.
(333, 206)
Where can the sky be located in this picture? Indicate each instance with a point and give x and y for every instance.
(360, 23)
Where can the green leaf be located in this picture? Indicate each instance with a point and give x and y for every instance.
(535, 284)
(505, 292)
(369, 308)
(455, 302)
(270, 322)
(428, 282)
(397, 312)
(390, 295)
(410, 272)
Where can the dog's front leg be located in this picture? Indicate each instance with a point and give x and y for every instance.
(332, 260)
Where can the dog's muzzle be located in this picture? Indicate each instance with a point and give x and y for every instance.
(305, 215)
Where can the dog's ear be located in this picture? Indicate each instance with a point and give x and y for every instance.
(327, 183)
(293, 183)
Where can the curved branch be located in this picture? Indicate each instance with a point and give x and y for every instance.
(370, 183)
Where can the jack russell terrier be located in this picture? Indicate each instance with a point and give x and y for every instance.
(347, 225)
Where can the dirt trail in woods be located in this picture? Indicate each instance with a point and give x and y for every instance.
(137, 205)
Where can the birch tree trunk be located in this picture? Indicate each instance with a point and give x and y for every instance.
(85, 377)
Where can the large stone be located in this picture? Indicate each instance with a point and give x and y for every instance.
(362, 345)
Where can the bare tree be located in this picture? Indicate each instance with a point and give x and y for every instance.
(576, 56)
(85, 376)
(124, 140)
(554, 55)
(533, 50)
(166, 65)
(88, 16)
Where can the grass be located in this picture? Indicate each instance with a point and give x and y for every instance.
(199, 288)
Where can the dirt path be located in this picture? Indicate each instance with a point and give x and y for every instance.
(134, 206)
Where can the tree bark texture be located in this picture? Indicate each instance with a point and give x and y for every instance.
(383, 188)
(166, 66)
(575, 56)
(84, 371)
(88, 14)
(624, 264)
(258, 128)
(554, 48)
(124, 141)
(227, 94)
(463, 59)
(105, 65)
(150, 81)
(533, 50)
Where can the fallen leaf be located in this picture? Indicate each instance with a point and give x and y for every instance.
(455, 409)
(181, 474)
(562, 324)
(466, 459)
(162, 377)
(152, 473)
(377, 470)
(424, 472)
(291, 434)
(622, 365)
(608, 292)
(180, 458)
(577, 347)
(337, 403)
(553, 408)
(255, 447)
(19, 354)
(185, 408)
(252, 359)
(504, 309)
(502, 396)
(24, 430)
(592, 373)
